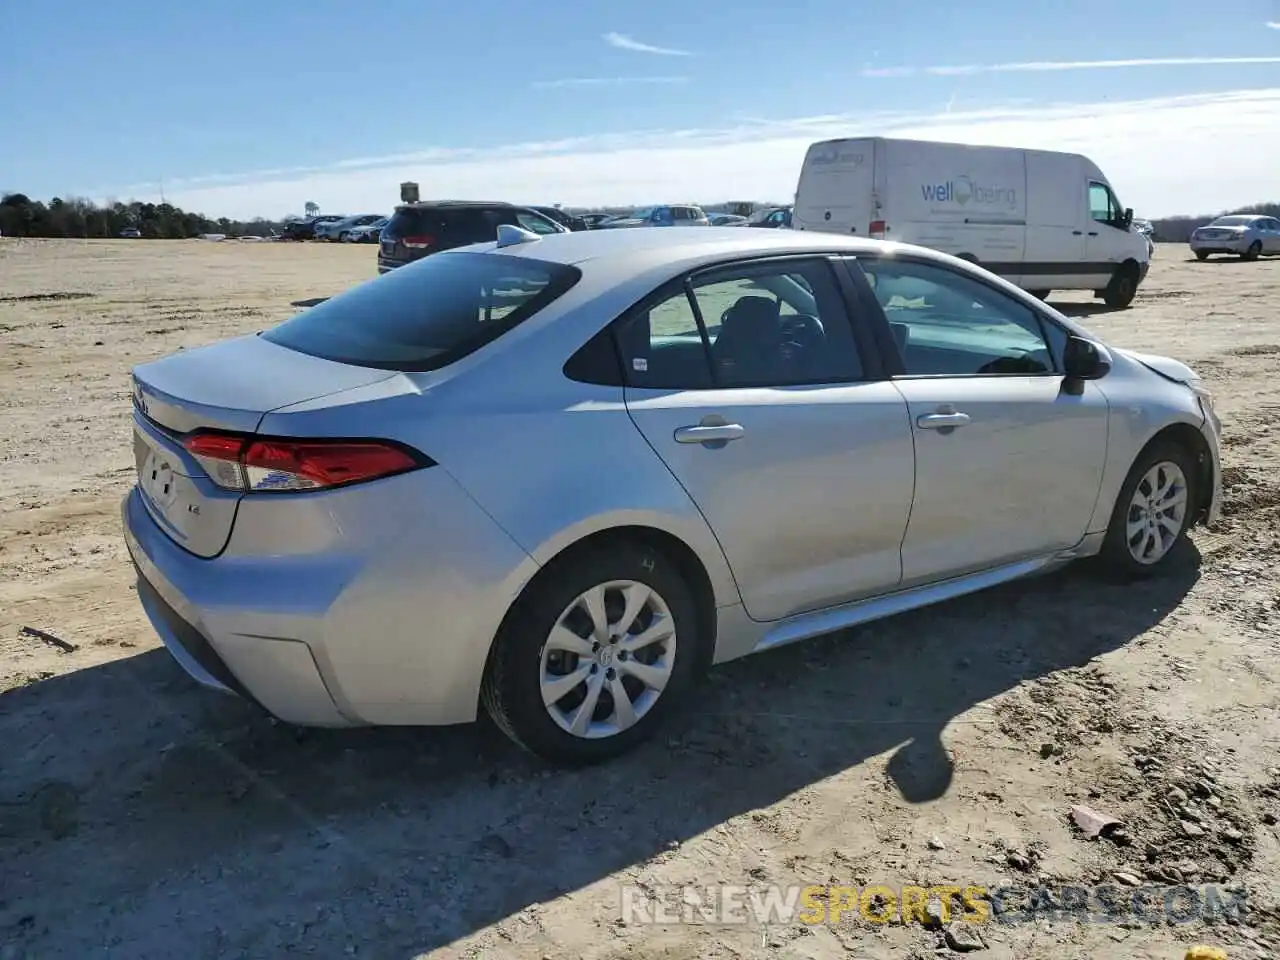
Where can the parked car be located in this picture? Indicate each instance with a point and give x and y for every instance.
(390, 508)
(366, 233)
(336, 230)
(726, 220)
(594, 220)
(566, 220)
(773, 218)
(1148, 231)
(130, 233)
(306, 229)
(416, 230)
(1248, 236)
(679, 215)
(1043, 220)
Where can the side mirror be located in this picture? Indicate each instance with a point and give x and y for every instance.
(1085, 359)
(1128, 217)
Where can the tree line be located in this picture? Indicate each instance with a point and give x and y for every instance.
(75, 217)
(78, 218)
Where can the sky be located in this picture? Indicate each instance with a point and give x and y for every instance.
(247, 108)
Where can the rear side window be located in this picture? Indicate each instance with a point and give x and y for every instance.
(429, 314)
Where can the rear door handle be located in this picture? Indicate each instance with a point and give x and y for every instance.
(941, 421)
(1093, 233)
(718, 434)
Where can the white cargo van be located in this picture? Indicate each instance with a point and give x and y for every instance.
(1045, 221)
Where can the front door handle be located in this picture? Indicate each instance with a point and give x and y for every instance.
(942, 421)
(1093, 233)
(719, 433)
(1077, 233)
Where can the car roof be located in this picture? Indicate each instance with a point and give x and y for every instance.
(704, 244)
(455, 204)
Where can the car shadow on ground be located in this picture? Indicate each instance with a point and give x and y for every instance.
(162, 816)
(312, 302)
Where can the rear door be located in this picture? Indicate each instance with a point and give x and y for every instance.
(752, 387)
(837, 183)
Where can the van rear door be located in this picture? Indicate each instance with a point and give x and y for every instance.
(836, 186)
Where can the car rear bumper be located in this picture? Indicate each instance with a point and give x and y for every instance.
(355, 606)
(1239, 245)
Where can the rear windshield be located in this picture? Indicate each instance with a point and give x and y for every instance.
(428, 314)
(1233, 221)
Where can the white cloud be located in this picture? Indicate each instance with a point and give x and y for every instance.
(1274, 25)
(1164, 156)
(1052, 66)
(605, 81)
(624, 42)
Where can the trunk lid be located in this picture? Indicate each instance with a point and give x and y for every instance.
(225, 386)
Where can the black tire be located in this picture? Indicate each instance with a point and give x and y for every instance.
(1040, 294)
(1254, 251)
(1119, 293)
(1115, 560)
(511, 691)
(1202, 255)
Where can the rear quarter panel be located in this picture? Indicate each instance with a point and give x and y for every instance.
(550, 460)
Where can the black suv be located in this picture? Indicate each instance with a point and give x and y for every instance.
(417, 230)
(306, 229)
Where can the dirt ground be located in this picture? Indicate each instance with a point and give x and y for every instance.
(142, 817)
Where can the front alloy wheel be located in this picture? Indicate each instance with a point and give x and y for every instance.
(1157, 513)
(1154, 510)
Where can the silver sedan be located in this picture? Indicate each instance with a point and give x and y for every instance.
(1248, 236)
(559, 476)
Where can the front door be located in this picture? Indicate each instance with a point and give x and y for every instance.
(1008, 464)
(1108, 239)
(751, 388)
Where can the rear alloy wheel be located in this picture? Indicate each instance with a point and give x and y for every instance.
(1254, 251)
(1119, 293)
(1040, 294)
(1152, 513)
(591, 661)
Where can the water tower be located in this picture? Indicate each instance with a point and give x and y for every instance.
(312, 208)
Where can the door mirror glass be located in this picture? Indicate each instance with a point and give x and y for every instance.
(1128, 217)
(1085, 360)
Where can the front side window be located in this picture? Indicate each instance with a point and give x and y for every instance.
(428, 316)
(1103, 205)
(947, 324)
(762, 325)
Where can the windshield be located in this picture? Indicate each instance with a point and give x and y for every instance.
(1233, 221)
(644, 213)
(426, 315)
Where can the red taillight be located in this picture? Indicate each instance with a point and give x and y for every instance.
(261, 465)
(876, 230)
(420, 242)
